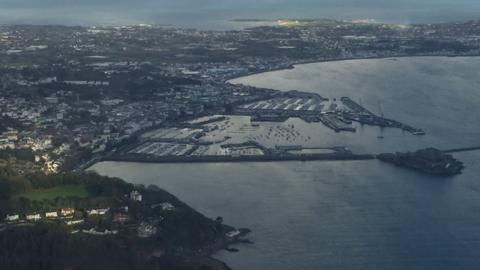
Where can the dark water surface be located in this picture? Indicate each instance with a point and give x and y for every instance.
(351, 215)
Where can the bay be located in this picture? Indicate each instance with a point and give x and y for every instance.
(350, 215)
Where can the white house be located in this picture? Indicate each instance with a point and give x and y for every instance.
(136, 196)
(99, 212)
(146, 230)
(51, 214)
(165, 206)
(74, 222)
(33, 217)
(67, 212)
(11, 218)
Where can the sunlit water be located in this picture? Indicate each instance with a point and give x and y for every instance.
(350, 215)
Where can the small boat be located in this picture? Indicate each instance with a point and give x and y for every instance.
(419, 133)
(380, 137)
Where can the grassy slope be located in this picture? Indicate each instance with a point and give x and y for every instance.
(79, 191)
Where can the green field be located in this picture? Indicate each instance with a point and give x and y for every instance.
(79, 191)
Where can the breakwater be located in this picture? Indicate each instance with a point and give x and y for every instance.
(259, 158)
(464, 149)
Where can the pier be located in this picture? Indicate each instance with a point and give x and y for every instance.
(222, 159)
(339, 155)
(464, 149)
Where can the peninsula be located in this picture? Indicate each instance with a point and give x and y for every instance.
(86, 221)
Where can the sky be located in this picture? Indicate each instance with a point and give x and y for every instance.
(211, 13)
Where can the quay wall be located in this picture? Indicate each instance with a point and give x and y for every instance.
(217, 159)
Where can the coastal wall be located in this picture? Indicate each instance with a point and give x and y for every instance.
(216, 159)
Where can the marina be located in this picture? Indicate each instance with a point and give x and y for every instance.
(337, 115)
(259, 131)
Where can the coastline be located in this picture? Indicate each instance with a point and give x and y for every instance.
(293, 65)
(215, 249)
(109, 157)
(267, 157)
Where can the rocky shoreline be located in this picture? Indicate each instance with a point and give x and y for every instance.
(224, 243)
(429, 160)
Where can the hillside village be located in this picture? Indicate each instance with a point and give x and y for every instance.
(145, 217)
(89, 207)
(76, 218)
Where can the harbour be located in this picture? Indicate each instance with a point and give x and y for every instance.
(360, 214)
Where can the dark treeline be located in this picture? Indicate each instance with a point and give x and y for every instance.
(98, 185)
(49, 247)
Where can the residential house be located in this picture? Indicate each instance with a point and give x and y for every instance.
(64, 212)
(74, 222)
(52, 214)
(11, 218)
(146, 230)
(33, 217)
(99, 212)
(136, 196)
(165, 206)
(120, 218)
